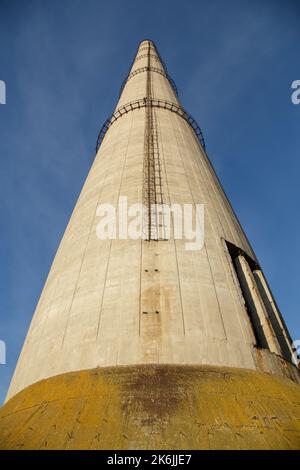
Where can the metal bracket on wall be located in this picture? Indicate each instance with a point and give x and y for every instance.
(151, 69)
(143, 56)
(142, 103)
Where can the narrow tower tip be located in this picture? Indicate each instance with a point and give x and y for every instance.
(146, 40)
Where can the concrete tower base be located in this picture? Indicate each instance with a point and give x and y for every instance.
(154, 407)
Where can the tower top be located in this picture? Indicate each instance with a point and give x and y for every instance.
(147, 40)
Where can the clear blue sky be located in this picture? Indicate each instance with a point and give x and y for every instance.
(63, 62)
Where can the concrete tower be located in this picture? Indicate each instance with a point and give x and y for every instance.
(143, 343)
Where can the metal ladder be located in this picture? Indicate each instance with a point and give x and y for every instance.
(153, 221)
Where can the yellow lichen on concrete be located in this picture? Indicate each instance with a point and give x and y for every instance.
(156, 407)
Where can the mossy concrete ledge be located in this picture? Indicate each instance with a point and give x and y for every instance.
(156, 407)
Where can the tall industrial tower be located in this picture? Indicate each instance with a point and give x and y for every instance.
(141, 342)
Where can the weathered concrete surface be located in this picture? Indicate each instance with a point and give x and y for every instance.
(156, 407)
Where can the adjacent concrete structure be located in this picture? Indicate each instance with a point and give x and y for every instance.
(124, 302)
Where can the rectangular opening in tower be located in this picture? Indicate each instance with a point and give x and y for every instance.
(267, 323)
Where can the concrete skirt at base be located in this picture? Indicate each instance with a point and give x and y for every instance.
(154, 407)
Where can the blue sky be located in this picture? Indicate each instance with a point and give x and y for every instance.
(63, 63)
